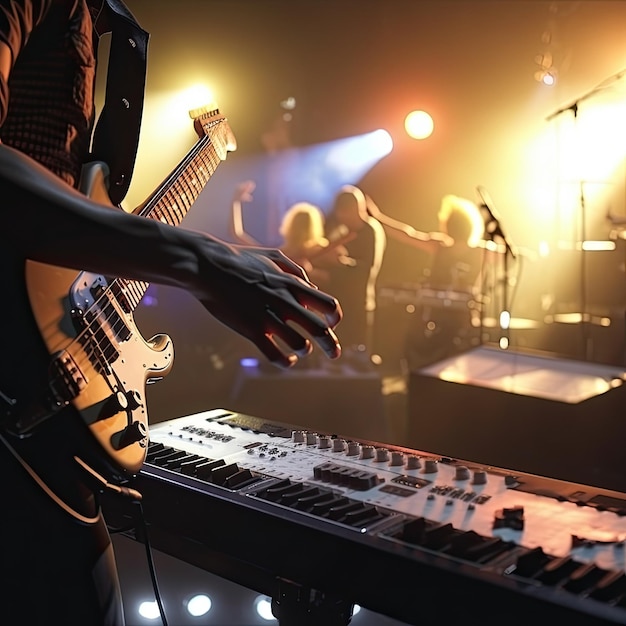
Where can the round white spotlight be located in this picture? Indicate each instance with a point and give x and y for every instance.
(419, 125)
(149, 610)
(263, 606)
(199, 605)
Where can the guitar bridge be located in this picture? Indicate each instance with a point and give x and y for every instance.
(66, 382)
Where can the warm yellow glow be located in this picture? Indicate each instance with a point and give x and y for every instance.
(598, 245)
(196, 97)
(590, 156)
(505, 319)
(450, 203)
(167, 134)
(601, 130)
(578, 318)
(419, 125)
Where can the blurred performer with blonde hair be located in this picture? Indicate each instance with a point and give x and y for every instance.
(302, 230)
(447, 302)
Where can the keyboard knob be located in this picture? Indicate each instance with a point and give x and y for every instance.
(382, 455)
(461, 473)
(397, 458)
(413, 462)
(367, 452)
(430, 466)
(480, 477)
(339, 445)
(297, 436)
(353, 448)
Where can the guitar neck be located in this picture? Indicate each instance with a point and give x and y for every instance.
(172, 200)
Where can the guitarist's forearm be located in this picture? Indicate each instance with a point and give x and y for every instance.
(48, 221)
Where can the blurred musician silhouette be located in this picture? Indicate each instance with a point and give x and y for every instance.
(447, 309)
(302, 229)
(353, 277)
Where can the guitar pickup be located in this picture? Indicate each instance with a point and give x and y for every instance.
(66, 378)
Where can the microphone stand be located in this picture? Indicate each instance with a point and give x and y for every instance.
(495, 233)
(599, 87)
(584, 317)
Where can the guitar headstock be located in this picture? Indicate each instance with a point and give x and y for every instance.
(209, 121)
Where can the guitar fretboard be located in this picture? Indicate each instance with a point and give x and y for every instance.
(172, 200)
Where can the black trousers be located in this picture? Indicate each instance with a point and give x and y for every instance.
(55, 568)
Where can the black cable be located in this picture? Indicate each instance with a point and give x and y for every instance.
(142, 528)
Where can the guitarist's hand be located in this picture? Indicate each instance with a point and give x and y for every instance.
(244, 191)
(258, 292)
(264, 296)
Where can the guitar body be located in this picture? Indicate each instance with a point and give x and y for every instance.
(99, 356)
(98, 364)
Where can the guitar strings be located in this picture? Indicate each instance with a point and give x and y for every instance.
(203, 151)
(151, 209)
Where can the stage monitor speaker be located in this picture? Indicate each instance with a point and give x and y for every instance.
(334, 398)
(529, 412)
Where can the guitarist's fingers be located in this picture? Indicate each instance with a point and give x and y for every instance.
(287, 265)
(274, 354)
(316, 300)
(296, 342)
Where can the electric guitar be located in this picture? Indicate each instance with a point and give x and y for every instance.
(99, 362)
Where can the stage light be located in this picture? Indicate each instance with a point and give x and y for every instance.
(196, 97)
(505, 320)
(419, 125)
(168, 115)
(199, 605)
(149, 610)
(315, 173)
(354, 156)
(597, 246)
(289, 104)
(545, 77)
(381, 142)
(263, 606)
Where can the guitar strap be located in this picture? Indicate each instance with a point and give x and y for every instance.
(116, 135)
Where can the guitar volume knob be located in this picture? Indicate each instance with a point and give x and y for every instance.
(135, 432)
(134, 399)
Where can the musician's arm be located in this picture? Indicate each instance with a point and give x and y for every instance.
(427, 241)
(254, 291)
(47, 220)
(406, 234)
(243, 193)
